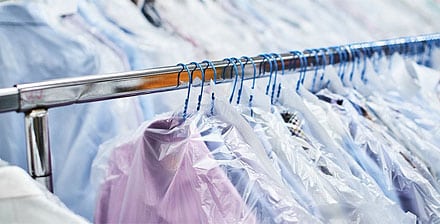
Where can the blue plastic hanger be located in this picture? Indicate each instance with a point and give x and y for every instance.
(282, 72)
(263, 65)
(316, 65)
(184, 67)
(235, 71)
(274, 72)
(323, 52)
(253, 80)
(209, 63)
(240, 90)
(302, 63)
(199, 99)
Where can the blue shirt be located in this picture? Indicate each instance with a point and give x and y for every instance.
(39, 50)
(400, 173)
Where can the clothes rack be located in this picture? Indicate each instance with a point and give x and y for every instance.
(34, 99)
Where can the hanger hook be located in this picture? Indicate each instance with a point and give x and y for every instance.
(358, 56)
(353, 58)
(391, 50)
(263, 64)
(428, 61)
(390, 47)
(208, 64)
(254, 66)
(409, 48)
(345, 60)
(415, 49)
(381, 51)
(185, 67)
(275, 73)
(403, 49)
(365, 57)
(316, 65)
(233, 70)
(423, 51)
(375, 57)
(197, 65)
(302, 63)
(323, 52)
(282, 72)
(242, 78)
(341, 59)
(332, 55)
(337, 50)
(224, 69)
(253, 80)
(304, 68)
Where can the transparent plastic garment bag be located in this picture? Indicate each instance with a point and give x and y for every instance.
(208, 168)
(375, 148)
(410, 113)
(408, 95)
(338, 196)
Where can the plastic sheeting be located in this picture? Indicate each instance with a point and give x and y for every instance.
(339, 196)
(335, 162)
(401, 173)
(195, 171)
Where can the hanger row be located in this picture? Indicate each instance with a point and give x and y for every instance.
(62, 92)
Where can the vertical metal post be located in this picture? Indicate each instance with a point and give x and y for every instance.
(38, 148)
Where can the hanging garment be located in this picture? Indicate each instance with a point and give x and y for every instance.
(111, 57)
(138, 59)
(161, 46)
(54, 41)
(164, 173)
(416, 190)
(292, 180)
(31, 24)
(408, 113)
(20, 62)
(66, 47)
(262, 193)
(324, 180)
(23, 200)
(334, 140)
(408, 177)
(428, 80)
(245, 161)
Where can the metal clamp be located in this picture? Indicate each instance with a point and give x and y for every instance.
(38, 148)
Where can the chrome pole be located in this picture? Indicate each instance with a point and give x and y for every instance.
(38, 148)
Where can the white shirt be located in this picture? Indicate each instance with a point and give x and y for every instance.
(23, 200)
